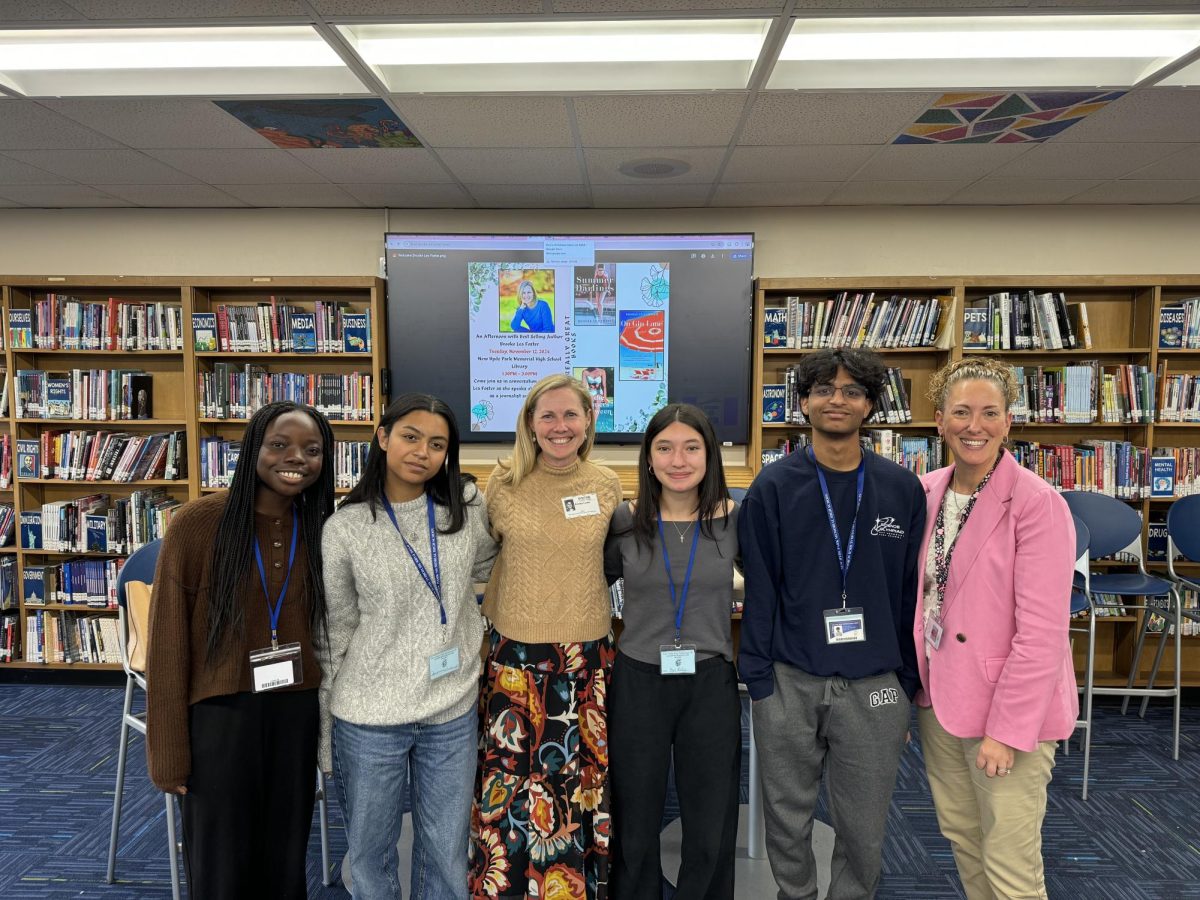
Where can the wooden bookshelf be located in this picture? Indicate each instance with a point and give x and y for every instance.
(175, 388)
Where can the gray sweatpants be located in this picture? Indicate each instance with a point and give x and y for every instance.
(854, 730)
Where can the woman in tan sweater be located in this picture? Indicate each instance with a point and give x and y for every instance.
(540, 825)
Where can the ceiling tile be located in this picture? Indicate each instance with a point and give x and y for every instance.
(602, 164)
(1184, 163)
(58, 196)
(802, 193)
(513, 166)
(659, 120)
(1054, 160)
(239, 166)
(919, 162)
(1151, 114)
(187, 9)
(992, 191)
(293, 195)
(170, 195)
(885, 7)
(644, 6)
(27, 11)
(107, 166)
(488, 121)
(365, 165)
(809, 163)
(529, 196)
(385, 9)
(1131, 191)
(649, 195)
(13, 172)
(799, 117)
(26, 125)
(408, 196)
(161, 122)
(894, 193)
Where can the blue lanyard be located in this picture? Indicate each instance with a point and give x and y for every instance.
(262, 574)
(681, 602)
(435, 583)
(843, 561)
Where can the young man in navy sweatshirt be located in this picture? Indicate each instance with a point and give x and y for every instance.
(830, 538)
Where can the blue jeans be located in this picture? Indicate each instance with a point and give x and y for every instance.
(373, 763)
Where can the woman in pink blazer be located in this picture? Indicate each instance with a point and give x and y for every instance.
(997, 682)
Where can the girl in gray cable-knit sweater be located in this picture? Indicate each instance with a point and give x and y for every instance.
(401, 660)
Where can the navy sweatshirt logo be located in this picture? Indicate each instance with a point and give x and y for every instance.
(885, 526)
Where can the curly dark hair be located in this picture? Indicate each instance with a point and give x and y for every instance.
(864, 366)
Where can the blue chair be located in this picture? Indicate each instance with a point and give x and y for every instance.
(1081, 601)
(738, 493)
(139, 567)
(1115, 527)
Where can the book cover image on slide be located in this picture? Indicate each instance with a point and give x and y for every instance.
(595, 295)
(600, 382)
(642, 345)
(526, 301)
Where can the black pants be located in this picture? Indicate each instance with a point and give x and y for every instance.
(249, 805)
(700, 717)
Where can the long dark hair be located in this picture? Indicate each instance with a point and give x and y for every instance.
(713, 495)
(232, 556)
(370, 487)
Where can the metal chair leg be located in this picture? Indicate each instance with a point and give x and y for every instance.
(1137, 660)
(119, 792)
(172, 846)
(323, 818)
(1088, 685)
(1178, 617)
(1158, 656)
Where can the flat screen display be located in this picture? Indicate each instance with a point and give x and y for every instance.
(640, 320)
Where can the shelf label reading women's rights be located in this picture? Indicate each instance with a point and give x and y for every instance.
(605, 324)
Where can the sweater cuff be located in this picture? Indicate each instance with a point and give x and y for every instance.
(761, 688)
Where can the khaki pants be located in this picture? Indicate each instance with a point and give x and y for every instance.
(994, 825)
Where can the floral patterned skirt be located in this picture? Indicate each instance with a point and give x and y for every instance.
(539, 823)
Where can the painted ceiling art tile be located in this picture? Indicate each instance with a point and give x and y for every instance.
(1011, 117)
(301, 124)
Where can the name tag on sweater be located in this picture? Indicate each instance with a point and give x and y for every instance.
(581, 505)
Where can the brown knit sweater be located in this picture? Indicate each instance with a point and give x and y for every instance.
(177, 672)
(548, 586)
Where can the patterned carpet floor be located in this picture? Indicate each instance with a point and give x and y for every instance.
(1137, 837)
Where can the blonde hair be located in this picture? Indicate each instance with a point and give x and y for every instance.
(525, 449)
(973, 368)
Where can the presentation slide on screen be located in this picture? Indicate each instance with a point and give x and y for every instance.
(603, 322)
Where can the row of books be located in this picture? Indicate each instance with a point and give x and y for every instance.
(8, 580)
(1179, 325)
(1179, 396)
(84, 455)
(97, 523)
(1083, 393)
(75, 582)
(10, 631)
(8, 525)
(6, 461)
(278, 327)
(920, 454)
(61, 322)
(99, 394)
(62, 637)
(219, 457)
(781, 402)
(1175, 472)
(856, 320)
(1026, 320)
(1115, 468)
(233, 391)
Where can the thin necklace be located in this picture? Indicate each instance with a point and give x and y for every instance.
(683, 533)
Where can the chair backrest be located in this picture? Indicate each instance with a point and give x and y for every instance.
(133, 594)
(738, 493)
(1080, 586)
(1113, 526)
(1183, 526)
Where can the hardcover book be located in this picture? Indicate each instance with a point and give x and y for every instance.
(304, 332)
(97, 533)
(355, 333)
(1156, 538)
(775, 331)
(1162, 476)
(770, 456)
(774, 402)
(29, 458)
(34, 590)
(141, 396)
(1170, 327)
(20, 329)
(204, 331)
(31, 531)
(975, 328)
(58, 398)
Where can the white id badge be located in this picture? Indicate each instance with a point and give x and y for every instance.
(844, 626)
(276, 667)
(443, 663)
(933, 631)
(581, 505)
(679, 660)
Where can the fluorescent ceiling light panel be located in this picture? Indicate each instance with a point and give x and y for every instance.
(562, 56)
(950, 53)
(286, 60)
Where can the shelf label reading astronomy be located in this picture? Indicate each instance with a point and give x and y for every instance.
(605, 323)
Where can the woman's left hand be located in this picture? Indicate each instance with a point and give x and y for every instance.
(994, 757)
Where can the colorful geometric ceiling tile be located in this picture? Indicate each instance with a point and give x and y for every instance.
(293, 124)
(1009, 118)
